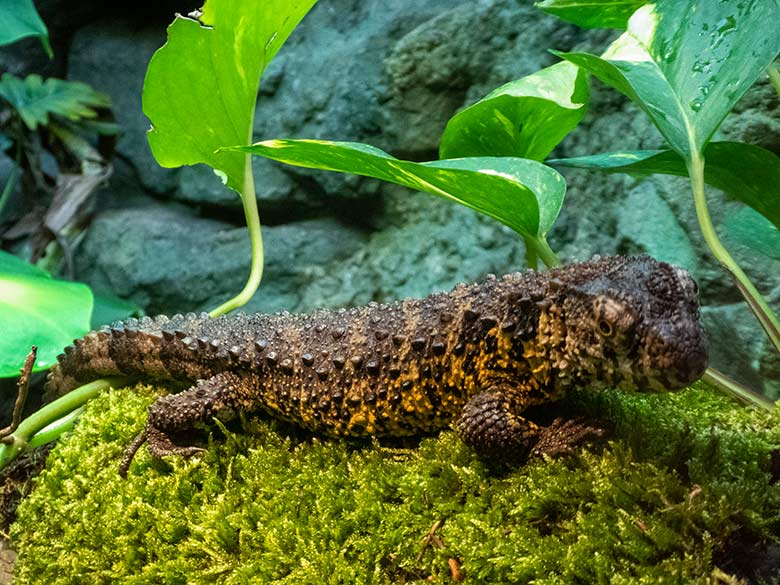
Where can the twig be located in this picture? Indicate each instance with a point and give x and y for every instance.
(23, 386)
(433, 538)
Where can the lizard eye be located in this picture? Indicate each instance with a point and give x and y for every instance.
(613, 317)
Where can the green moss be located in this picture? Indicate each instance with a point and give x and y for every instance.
(682, 480)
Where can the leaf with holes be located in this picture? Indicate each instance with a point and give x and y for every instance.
(201, 86)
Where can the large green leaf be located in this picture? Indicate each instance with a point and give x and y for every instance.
(523, 194)
(38, 310)
(745, 172)
(525, 118)
(10, 264)
(593, 13)
(687, 62)
(201, 86)
(35, 99)
(19, 19)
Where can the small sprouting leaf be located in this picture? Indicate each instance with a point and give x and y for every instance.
(19, 20)
(687, 62)
(525, 118)
(201, 86)
(523, 194)
(593, 13)
(35, 99)
(38, 310)
(745, 172)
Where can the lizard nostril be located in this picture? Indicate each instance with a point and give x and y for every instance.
(692, 363)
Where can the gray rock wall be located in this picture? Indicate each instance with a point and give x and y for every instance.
(390, 74)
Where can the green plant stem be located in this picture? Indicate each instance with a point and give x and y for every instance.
(60, 411)
(736, 390)
(544, 251)
(249, 200)
(12, 176)
(531, 257)
(53, 431)
(774, 76)
(755, 301)
(8, 188)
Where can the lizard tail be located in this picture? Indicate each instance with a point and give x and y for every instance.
(86, 359)
(132, 347)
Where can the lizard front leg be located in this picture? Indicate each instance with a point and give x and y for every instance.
(219, 396)
(491, 423)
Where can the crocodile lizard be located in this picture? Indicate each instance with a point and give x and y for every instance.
(477, 356)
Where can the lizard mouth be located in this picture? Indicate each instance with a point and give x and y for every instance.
(681, 374)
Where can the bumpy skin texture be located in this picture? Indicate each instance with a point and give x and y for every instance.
(479, 355)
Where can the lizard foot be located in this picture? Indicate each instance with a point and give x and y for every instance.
(563, 435)
(159, 444)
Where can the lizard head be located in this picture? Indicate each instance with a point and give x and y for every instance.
(633, 322)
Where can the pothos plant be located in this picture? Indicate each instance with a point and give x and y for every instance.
(201, 87)
(59, 120)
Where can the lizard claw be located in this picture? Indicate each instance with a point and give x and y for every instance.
(159, 444)
(563, 435)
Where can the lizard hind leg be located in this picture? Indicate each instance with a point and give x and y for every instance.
(221, 395)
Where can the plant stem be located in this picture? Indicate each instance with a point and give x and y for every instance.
(736, 390)
(531, 257)
(249, 200)
(53, 431)
(9, 186)
(543, 250)
(774, 76)
(12, 176)
(59, 411)
(755, 301)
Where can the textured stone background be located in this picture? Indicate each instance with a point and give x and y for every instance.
(172, 240)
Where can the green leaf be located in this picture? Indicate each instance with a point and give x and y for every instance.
(687, 62)
(35, 100)
(523, 194)
(108, 308)
(201, 86)
(10, 264)
(745, 172)
(750, 229)
(19, 20)
(42, 311)
(525, 118)
(593, 13)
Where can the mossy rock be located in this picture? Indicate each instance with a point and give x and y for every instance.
(681, 490)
